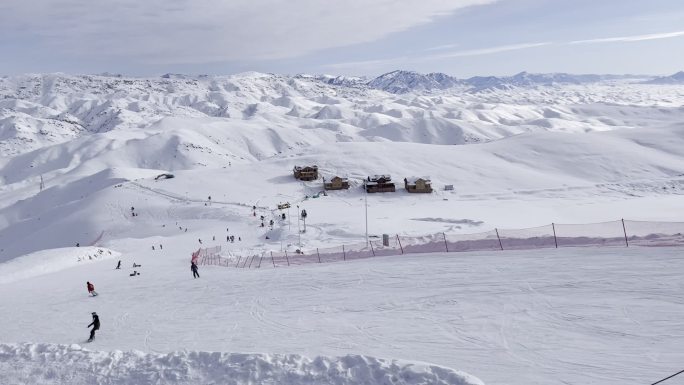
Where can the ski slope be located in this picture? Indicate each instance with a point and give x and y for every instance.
(566, 316)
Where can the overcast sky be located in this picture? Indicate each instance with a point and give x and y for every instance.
(350, 37)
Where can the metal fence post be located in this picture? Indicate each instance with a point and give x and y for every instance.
(446, 246)
(372, 250)
(555, 240)
(344, 254)
(625, 231)
(319, 255)
(250, 262)
(238, 262)
(272, 260)
(260, 259)
(499, 238)
(287, 259)
(400, 247)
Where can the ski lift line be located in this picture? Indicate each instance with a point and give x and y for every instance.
(183, 199)
(667, 378)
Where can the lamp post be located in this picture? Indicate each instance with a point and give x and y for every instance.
(299, 232)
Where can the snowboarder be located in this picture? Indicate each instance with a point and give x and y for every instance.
(91, 289)
(193, 267)
(96, 326)
(118, 265)
(78, 244)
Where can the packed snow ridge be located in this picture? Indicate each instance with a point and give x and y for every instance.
(43, 364)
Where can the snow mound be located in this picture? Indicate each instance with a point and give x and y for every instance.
(50, 261)
(59, 364)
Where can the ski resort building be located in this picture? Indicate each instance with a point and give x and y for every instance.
(306, 173)
(379, 183)
(336, 183)
(418, 184)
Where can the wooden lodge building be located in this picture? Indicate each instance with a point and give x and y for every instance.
(379, 183)
(306, 173)
(336, 183)
(418, 185)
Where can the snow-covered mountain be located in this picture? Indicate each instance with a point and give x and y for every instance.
(677, 78)
(41, 110)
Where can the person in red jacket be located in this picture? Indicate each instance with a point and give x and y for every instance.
(91, 289)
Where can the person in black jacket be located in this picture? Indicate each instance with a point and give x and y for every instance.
(96, 326)
(193, 267)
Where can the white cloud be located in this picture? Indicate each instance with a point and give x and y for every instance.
(404, 60)
(653, 36)
(200, 31)
(488, 51)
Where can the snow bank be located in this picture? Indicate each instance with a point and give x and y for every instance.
(50, 261)
(59, 364)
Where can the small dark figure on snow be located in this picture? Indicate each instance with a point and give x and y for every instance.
(283, 216)
(152, 247)
(213, 238)
(134, 273)
(96, 326)
(118, 265)
(136, 265)
(160, 247)
(227, 238)
(78, 244)
(200, 241)
(186, 229)
(239, 239)
(91, 289)
(193, 267)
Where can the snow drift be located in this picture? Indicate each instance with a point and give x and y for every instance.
(59, 364)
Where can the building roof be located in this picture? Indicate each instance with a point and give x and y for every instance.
(414, 179)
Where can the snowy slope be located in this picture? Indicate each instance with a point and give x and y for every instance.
(522, 152)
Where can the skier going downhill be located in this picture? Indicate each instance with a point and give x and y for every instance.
(96, 326)
(193, 267)
(91, 289)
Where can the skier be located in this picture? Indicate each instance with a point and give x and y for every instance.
(200, 241)
(160, 247)
(193, 267)
(118, 265)
(152, 247)
(78, 244)
(96, 326)
(91, 289)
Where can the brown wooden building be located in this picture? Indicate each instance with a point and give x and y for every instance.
(418, 184)
(336, 183)
(306, 172)
(379, 183)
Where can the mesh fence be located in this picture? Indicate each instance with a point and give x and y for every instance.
(621, 233)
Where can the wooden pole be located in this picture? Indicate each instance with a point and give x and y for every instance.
(344, 254)
(499, 238)
(250, 262)
(287, 259)
(400, 247)
(260, 259)
(446, 246)
(625, 231)
(319, 255)
(272, 260)
(555, 240)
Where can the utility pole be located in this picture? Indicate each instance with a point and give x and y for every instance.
(42, 185)
(365, 189)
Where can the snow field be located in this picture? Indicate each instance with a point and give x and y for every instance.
(566, 316)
